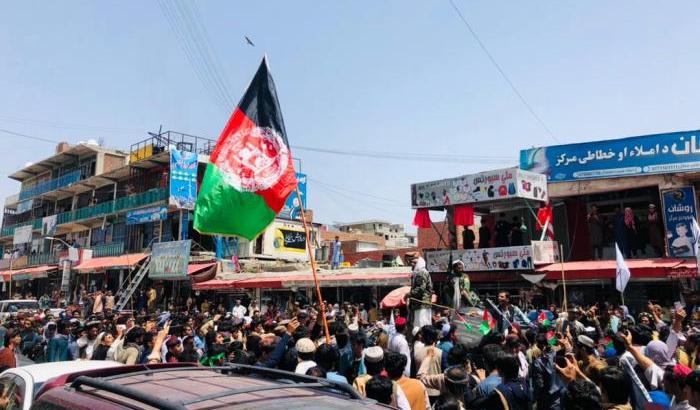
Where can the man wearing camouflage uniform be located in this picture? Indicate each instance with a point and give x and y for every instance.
(420, 296)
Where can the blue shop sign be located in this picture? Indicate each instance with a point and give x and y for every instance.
(643, 155)
(145, 215)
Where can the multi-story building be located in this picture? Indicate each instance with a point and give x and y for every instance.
(111, 205)
(394, 234)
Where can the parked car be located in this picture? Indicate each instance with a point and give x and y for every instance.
(8, 307)
(20, 384)
(196, 387)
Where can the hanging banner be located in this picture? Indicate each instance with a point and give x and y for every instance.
(48, 225)
(485, 186)
(24, 206)
(169, 260)
(679, 212)
(647, 154)
(145, 215)
(486, 259)
(183, 179)
(23, 234)
(289, 240)
(291, 209)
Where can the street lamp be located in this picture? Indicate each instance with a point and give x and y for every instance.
(65, 280)
(51, 238)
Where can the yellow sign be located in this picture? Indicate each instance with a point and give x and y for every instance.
(141, 153)
(290, 240)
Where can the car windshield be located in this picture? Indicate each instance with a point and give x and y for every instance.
(17, 306)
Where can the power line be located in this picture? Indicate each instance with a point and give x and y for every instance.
(176, 21)
(389, 200)
(67, 125)
(405, 156)
(18, 134)
(503, 74)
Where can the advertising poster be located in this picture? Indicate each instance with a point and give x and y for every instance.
(290, 240)
(647, 154)
(679, 212)
(291, 209)
(23, 234)
(25, 206)
(169, 260)
(487, 259)
(484, 186)
(183, 179)
(48, 225)
(144, 215)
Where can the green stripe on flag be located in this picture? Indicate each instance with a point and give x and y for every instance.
(222, 209)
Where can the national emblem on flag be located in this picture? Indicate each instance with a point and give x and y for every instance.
(251, 172)
(543, 319)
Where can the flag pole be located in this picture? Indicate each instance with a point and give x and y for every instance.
(563, 278)
(312, 259)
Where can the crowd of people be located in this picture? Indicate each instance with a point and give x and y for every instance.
(587, 357)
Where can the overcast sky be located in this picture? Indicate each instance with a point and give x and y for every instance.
(391, 76)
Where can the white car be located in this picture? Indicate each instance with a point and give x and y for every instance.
(20, 384)
(8, 307)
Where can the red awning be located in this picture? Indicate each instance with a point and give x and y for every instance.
(290, 281)
(111, 262)
(639, 268)
(36, 272)
(198, 267)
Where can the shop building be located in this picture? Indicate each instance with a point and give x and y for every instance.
(508, 245)
(591, 185)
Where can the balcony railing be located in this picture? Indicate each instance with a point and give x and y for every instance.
(51, 185)
(42, 259)
(105, 208)
(112, 249)
(162, 142)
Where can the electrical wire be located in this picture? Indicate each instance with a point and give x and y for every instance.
(185, 40)
(453, 158)
(389, 200)
(405, 156)
(63, 125)
(503, 74)
(18, 134)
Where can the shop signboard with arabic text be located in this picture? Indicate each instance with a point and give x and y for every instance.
(484, 186)
(648, 154)
(679, 212)
(485, 259)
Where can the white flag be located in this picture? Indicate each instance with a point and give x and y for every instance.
(622, 275)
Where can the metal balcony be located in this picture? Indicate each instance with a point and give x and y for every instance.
(51, 185)
(157, 143)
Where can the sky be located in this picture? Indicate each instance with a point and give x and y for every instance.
(394, 76)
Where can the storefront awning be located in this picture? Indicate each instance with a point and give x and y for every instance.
(367, 277)
(110, 262)
(28, 273)
(194, 268)
(606, 269)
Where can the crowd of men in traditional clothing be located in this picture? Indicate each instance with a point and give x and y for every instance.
(590, 357)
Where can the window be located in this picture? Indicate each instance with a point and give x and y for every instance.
(13, 389)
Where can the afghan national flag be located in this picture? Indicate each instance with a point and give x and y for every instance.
(487, 323)
(543, 319)
(251, 172)
(552, 338)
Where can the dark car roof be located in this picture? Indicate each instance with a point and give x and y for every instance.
(235, 387)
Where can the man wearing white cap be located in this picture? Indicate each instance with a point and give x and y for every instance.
(305, 349)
